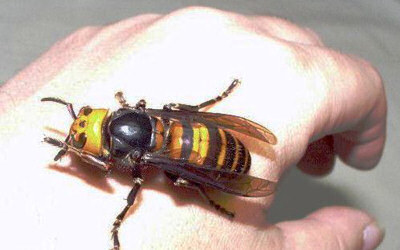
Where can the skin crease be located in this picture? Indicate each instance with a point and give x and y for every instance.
(291, 83)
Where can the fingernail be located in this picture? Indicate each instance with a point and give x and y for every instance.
(373, 235)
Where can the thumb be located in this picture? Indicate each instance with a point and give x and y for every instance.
(332, 228)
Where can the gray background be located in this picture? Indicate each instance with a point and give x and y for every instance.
(370, 29)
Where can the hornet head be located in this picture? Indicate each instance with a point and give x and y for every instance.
(86, 133)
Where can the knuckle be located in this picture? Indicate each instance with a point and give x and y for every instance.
(359, 71)
(145, 17)
(287, 30)
(133, 21)
(200, 11)
(78, 37)
(329, 63)
(195, 24)
(372, 73)
(198, 17)
(84, 32)
(313, 37)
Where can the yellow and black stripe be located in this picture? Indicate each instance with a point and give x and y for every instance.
(200, 144)
(157, 135)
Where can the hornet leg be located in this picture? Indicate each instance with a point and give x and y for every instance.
(60, 144)
(96, 161)
(206, 104)
(137, 180)
(122, 101)
(180, 182)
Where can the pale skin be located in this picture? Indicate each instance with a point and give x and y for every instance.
(301, 90)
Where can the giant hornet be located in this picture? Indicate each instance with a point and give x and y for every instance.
(195, 149)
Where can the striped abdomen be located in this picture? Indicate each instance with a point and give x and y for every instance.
(207, 145)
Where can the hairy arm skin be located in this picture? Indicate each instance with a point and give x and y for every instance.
(302, 91)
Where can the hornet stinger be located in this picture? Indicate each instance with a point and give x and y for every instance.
(195, 149)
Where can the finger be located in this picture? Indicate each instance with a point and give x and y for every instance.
(319, 157)
(362, 149)
(285, 30)
(354, 109)
(332, 228)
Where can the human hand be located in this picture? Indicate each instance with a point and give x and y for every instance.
(292, 84)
